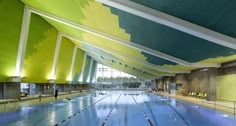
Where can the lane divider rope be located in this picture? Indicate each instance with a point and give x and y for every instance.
(104, 122)
(145, 115)
(87, 107)
(183, 119)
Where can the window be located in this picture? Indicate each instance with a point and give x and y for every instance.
(105, 73)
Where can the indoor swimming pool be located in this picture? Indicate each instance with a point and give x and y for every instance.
(118, 108)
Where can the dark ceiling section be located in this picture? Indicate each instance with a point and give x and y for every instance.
(156, 60)
(215, 15)
(168, 40)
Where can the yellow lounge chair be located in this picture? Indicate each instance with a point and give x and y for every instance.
(205, 95)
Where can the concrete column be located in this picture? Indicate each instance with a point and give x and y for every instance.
(167, 80)
(77, 87)
(156, 83)
(80, 87)
(162, 83)
(212, 83)
(39, 88)
(1, 91)
(48, 88)
(11, 90)
(153, 83)
(73, 88)
(60, 87)
(184, 80)
(67, 88)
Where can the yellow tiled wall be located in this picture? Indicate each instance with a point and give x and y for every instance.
(226, 87)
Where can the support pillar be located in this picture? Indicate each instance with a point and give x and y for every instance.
(1, 91)
(49, 88)
(83, 67)
(69, 79)
(90, 69)
(22, 42)
(11, 90)
(184, 80)
(212, 84)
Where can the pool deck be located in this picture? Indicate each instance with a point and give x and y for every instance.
(12, 104)
(119, 108)
(224, 106)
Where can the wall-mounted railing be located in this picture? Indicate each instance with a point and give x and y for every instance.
(9, 104)
(223, 105)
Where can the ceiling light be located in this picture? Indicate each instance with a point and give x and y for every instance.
(204, 69)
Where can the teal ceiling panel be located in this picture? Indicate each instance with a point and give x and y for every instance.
(168, 40)
(93, 71)
(215, 15)
(156, 60)
(86, 68)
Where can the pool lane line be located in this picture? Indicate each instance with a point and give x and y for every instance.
(152, 115)
(144, 114)
(185, 121)
(104, 122)
(87, 107)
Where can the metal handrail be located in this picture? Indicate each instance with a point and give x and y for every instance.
(218, 105)
(215, 103)
(18, 102)
(9, 103)
(225, 100)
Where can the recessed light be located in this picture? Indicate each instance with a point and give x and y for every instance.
(204, 69)
(225, 115)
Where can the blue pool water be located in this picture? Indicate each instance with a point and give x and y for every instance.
(120, 108)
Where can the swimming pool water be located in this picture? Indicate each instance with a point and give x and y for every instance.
(119, 108)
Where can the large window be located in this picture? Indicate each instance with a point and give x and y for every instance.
(107, 74)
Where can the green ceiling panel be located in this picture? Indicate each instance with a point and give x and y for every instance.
(85, 13)
(11, 12)
(61, 8)
(39, 51)
(144, 32)
(64, 61)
